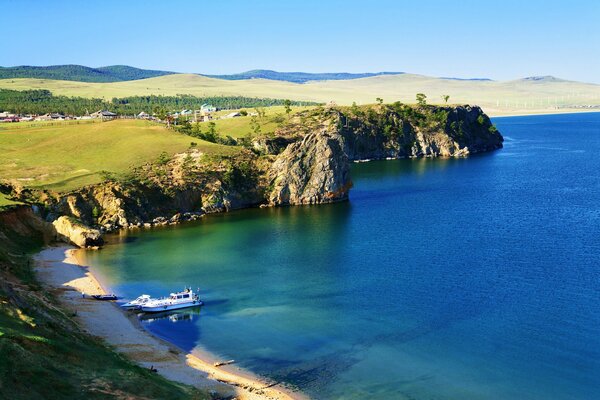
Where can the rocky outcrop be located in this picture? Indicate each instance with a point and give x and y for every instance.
(434, 132)
(316, 168)
(72, 231)
(311, 171)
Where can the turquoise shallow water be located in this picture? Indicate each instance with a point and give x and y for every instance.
(474, 278)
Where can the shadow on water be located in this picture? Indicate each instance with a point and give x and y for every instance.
(183, 326)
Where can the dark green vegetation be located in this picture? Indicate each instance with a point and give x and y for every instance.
(113, 73)
(43, 353)
(298, 77)
(43, 101)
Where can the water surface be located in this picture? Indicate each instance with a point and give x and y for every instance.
(472, 278)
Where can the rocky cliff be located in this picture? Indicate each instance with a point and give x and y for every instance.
(307, 161)
(315, 168)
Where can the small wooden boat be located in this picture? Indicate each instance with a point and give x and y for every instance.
(105, 296)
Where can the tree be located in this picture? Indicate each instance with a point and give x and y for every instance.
(421, 99)
(254, 125)
(445, 97)
(288, 107)
(379, 100)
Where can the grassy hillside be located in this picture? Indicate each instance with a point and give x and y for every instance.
(113, 73)
(43, 353)
(524, 95)
(64, 157)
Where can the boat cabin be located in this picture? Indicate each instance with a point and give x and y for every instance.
(180, 295)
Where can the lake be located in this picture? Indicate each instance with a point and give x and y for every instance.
(474, 278)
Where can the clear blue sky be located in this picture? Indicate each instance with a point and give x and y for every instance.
(502, 39)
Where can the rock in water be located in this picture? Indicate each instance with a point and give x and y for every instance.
(75, 232)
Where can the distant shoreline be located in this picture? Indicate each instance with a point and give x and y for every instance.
(525, 113)
(60, 269)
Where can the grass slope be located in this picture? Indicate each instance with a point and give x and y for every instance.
(545, 93)
(113, 73)
(65, 157)
(6, 202)
(43, 354)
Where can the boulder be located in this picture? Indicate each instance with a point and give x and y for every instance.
(73, 231)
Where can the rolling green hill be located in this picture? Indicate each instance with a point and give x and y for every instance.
(80, 73)
(529, 95)
(68, 156)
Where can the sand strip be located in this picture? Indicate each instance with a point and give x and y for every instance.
(59, 269)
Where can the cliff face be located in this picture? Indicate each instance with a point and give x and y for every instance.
(440, 131)
(307, 161)
(311, 171)
(315, 169)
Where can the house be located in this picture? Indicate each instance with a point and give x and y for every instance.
(206, 108)
(143, 115)
(50, 117)
(205, 118)
(186, 112)
(232, 115)
(104, 114)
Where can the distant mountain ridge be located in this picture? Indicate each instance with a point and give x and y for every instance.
(298, 77)
(80, 73)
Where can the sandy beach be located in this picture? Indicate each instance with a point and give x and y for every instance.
(61, 271)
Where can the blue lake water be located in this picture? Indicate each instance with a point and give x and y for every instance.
(474, 278)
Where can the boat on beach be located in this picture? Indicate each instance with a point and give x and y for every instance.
(175, 301)
(104, 296)
(143, 299)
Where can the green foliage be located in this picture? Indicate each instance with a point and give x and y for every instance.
(446, 97)
(43, 101)
(106, 175)
(254, 125)
(481, 120)
(288, 107)
(163, 158)
(379, 100)
(421, 99)
(241, 174)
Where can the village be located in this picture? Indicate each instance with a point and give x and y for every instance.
(204, 114)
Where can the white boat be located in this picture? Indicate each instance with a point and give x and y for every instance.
(175, 301)
(143, 299)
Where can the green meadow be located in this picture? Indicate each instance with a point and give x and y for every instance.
(65, 157)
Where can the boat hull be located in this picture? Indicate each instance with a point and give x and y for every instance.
(169, 307)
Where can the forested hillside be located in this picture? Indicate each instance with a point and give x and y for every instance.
(42, 101)
(113, 73)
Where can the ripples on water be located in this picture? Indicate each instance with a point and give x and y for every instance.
(441, 279)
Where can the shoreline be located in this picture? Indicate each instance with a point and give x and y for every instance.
(63, 274)
(528, 113)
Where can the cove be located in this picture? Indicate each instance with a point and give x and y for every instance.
(472, 278)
